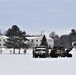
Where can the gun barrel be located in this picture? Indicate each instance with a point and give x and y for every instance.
(69, 49)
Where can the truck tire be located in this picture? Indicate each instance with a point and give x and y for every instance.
(35, 56)
(45, 56)
(54, 56)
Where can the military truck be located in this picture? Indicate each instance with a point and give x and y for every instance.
(40, 51)
(60, 52)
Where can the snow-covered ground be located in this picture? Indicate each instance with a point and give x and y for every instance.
(25, 64)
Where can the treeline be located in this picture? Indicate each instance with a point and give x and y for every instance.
(64, 40)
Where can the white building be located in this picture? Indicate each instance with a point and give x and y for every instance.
(74, 44)
(3, 39)
(36, 41)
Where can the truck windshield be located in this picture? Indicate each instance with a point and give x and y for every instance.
(40, 49)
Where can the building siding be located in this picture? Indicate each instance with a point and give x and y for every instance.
(33, 42)
(3, 39)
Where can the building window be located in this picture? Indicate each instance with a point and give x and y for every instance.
(36, 44)
(4, 44)
(31, 40)
(36, 40)
(4, 40)
(0, 44)
(0, 39)
(50, 40)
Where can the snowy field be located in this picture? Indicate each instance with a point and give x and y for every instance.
(24, 64)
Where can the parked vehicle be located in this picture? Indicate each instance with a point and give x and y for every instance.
(40, 51)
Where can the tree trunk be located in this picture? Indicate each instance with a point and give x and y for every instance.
(14, 51)
(19, 51)
(25, 51)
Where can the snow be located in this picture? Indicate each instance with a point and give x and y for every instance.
(31, 37)
(25, 64)
(2, 36)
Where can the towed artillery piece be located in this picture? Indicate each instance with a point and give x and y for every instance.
(59, 51)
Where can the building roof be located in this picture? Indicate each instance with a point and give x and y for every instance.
(49, 37)
(31, 37)
(3, 36)
(35, 37)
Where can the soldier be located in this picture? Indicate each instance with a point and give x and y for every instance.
(10, 51)
(24, 51)
(0, 51)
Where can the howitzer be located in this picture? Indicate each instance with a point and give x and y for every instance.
(60, 51)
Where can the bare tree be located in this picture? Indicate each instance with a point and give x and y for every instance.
(55, 37)
(0, 32)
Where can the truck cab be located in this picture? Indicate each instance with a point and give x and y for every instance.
(40, 51)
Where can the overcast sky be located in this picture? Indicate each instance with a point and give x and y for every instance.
(33, 16)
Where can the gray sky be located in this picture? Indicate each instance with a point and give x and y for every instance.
(33, 16)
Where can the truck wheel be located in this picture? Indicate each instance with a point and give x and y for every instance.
(40, 56)
(54, 56)
(44, 56)
(34, 56)
(63, 56)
